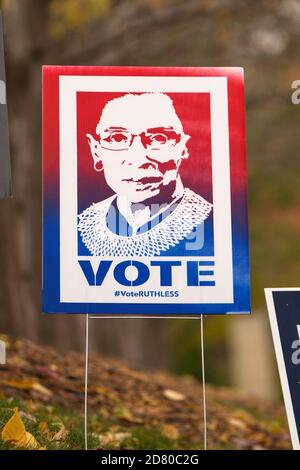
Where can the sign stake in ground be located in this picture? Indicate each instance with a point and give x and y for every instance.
(204, 409)
(203, 383)
(86, 375)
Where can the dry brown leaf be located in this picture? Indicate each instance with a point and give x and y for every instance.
(170, 431)
(125, 414)
(237, 423)
(28, 441)
(258, 447)
(18, 344)
(113, 439)
(14, 432)
(17, 362)
(104, 412)
(30, 406)
(61, 434)
(43, 427)
(40, 388)
(14, 428)
(104, 392)
(27, 385)
(99, 389)
(149, 400)
(173, 395)
(28, 416)
(224, 438)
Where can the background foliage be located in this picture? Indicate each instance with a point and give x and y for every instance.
(261, 36)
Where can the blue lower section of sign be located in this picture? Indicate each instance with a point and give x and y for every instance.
(51, 285)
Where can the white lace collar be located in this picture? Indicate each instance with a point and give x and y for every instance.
(191, 211)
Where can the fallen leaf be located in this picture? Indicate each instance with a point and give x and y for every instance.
(28, 441)
(99, 389)
(14, 429)
(14, 432)
(27, 385)
(18, 344)
(40, 388)
(173, 395)
(17, 362)
(125, 414)
(104, 412)
(30, 405)
(170, 431)
(241, 443)
(28, 416)
(237, 423)
(113, 439)
(61, 434)
(43, 427)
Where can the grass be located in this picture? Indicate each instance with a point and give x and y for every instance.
(115, 435)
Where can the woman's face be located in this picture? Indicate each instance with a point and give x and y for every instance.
(141, 145)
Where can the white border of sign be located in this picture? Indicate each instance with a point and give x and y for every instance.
(281, 365)
(77, 290)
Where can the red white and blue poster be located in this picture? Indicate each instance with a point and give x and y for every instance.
(144, 187)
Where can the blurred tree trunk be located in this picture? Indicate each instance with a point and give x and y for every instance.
(28, 47)
(21, 243)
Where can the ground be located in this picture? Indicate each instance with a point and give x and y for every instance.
(128, 409)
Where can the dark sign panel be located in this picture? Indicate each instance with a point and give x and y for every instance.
(5, 180)
(284, 313)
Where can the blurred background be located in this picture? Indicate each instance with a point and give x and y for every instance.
(261, 36)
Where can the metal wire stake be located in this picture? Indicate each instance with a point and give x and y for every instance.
(86, 381)
(203, 384)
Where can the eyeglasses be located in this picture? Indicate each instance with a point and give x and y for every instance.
(118, 139)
